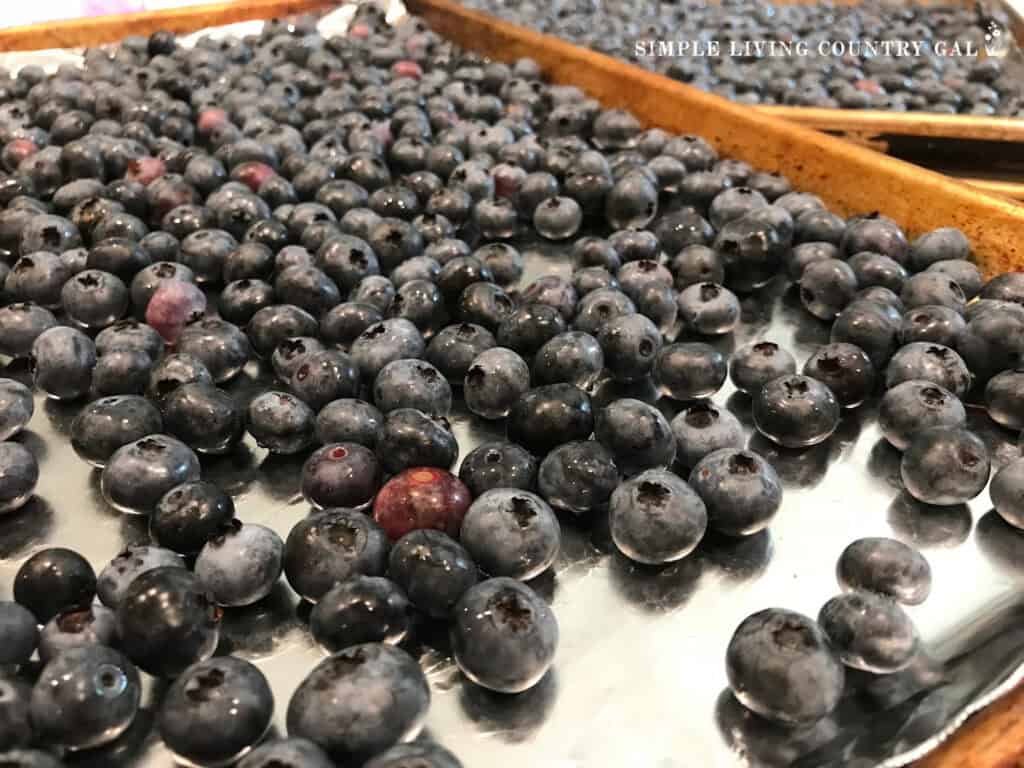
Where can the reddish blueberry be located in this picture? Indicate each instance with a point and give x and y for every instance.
(422, 497)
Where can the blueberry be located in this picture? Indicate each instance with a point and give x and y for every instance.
(929, 362)
(15, 719)
(504, 261)
(242, 299)
(140, 472)
(411, 438)
(204, 417)
(272, 325)
(94, 299)
(702, 429)
(578, 477)
(530, 327)
(250, 260)
(340, 475)
(495, 380)
(130, 334)
(39, 278)
(286, 753)
(361, 609)
(19, 473)
(18, 633)
(205, 253)
(573, 357)
(166, 622)
(188, 515)
(636, 244)
(733, 203)
(944, 466)
(780, 665)
(600, 307)
(216, 711)
(845, 369)
(511, 532)
(419, 268)
(240, 564)
(331, 546)
(965, 274)
(631, 202)
(344, 323)
(280, 422)
(553, 291)
(62, 362)
(386, 342)
(557, 218)
(709, 309)
(360, 701)
(172, 371)
(869, 632)
(419, 754)
(587, 279)
(453, 349)
(932, 323)
(871, 326)
(293, 352)
(753, 366)
(504, 636)
(219, 345)
(54, 580)
(21, 324)
(877, 234)
(588, 252)
(656, 518)
(796, 411)
(689, 370)
(696, 263)
(742, 491)
(1004, 399)
(85, 697)
(548, 416)
(433, 569)
(826, 287)
(805, 254)
(91, 626)
(1007, 492)
(938, 245)
(630, 344)
(818, 225)
(412, 384)
(498, 465)
(874, 269)
(886, 567)
(994, 339)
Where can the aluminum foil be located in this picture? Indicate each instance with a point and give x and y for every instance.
(639, 679)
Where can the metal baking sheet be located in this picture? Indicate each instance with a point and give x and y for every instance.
(639, 679)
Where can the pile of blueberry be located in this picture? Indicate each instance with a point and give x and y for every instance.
(341, 212)
(814, 62)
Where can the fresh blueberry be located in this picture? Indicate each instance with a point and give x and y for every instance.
(689, 370)
(18, 633)
(386, 342)
(994, 339)
(886, 567)
(511, 532)
(19, 473)
(94, 299)
(360, 701)
(418, 754)
(877, 234)
(90, 626)
(361, 609)
(115, 578)
(932, 323)
(600, 307)
(546, 417)
(796, 411)
(874, 269)
(504, 636)
(38, 278)
(780, 665)
(938, 245)
(140, 472)
(240, 564)
(412, 384)
(742, 491)
(696, 263)
(496, 379)
(498, 465)
(558, 218)
(869, 632)
(573, 357)
(218, 344)
(530, 327)
(845, 369)
(188, 515)
(340, 475)
(553, 291)
(62, 362)
(54, 580)
(933, 289)
(871, 326)
(826, 287)
(453, 349)
(944, 466)
(130, 334)
(656, 518)
(636, 434)
(21, 324)
(281, 422)
(216, 711)
(1004, 399)
(929, 362)
(963, 273)
(411, 438)
(286, 753)
(205, 417)
(85, 697)
(331, 546)
(912, 406)
(578, 477)
(1007, 492)
(272, 325)
(172, 371)
(753, 366)
(704, 428)
(166, 622)
(709, 309)
(242, 299)
(433, 569)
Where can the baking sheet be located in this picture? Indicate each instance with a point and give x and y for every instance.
(639, 679)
